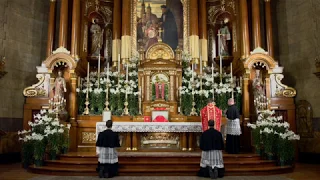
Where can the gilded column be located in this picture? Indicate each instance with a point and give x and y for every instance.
(51, 27)
(203, 31)
(256, 31)
(147, 92)
(63, 29)
(116, 36)
(172, 83)
(269, 28)
(245, 50)
(194, 33)
(73, 111)
(126, 30)
(75, 33)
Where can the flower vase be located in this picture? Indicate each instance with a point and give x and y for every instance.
(38, 162)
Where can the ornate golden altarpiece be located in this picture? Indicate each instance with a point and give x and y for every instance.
(160, 62)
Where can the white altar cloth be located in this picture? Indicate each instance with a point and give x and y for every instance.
(150, 127)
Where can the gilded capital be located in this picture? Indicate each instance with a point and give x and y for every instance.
(267, 0)
(52, 0)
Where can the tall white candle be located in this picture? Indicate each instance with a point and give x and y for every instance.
(88, 74)
(108, 71)
(192, 70)
(212, 73)
(99, 61)
(219, 40)
(231, 80)
(118, 63)
(127, 72)
(200, 64)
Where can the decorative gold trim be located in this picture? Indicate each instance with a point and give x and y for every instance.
(284, 90)
(36, 90)
(185, 5)
(88, 137)
(160, 51)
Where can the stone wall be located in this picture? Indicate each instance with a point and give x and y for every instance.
(23, 34)
(298, 43)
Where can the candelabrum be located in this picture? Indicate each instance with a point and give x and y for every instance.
(261, 103)
(107, 95)
(57, 104)
(193, 110)
(126, 110)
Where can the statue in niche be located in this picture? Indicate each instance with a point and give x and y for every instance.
(59, 87)
(258, 89)
(96, 38)
(225, 36)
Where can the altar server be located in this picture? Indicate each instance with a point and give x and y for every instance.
(233, 128)
(211, 144)
(106, 144)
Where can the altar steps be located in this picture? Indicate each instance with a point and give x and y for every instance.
(157, 164)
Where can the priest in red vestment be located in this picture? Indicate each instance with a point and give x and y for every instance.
(211, 112)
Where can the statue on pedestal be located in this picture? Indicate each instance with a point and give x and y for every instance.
(96, 38)
(59, 87)
(258, 89)
(225, 36)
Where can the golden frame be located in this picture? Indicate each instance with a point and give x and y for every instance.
(185, 5)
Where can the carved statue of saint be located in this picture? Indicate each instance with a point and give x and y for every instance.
(257, 84)
(59, 87)
(96, 38)
(225, 36)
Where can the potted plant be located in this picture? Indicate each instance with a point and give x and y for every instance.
(27, 148)
(286, 149)
(39, 144)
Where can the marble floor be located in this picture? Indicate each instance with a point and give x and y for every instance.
(301, 172)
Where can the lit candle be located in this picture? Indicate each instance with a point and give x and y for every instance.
(118, 63)
(99, 71)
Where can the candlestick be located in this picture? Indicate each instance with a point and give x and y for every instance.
(99, 60)
(86, 109)
(107, 89)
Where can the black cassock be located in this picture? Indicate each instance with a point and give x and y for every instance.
(211, 144)
(233, 130)
(170, 31)
(108, 156)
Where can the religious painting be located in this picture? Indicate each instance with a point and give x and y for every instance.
(158, 20)
(160, 87)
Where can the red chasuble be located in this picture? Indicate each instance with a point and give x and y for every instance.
(211, 112)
